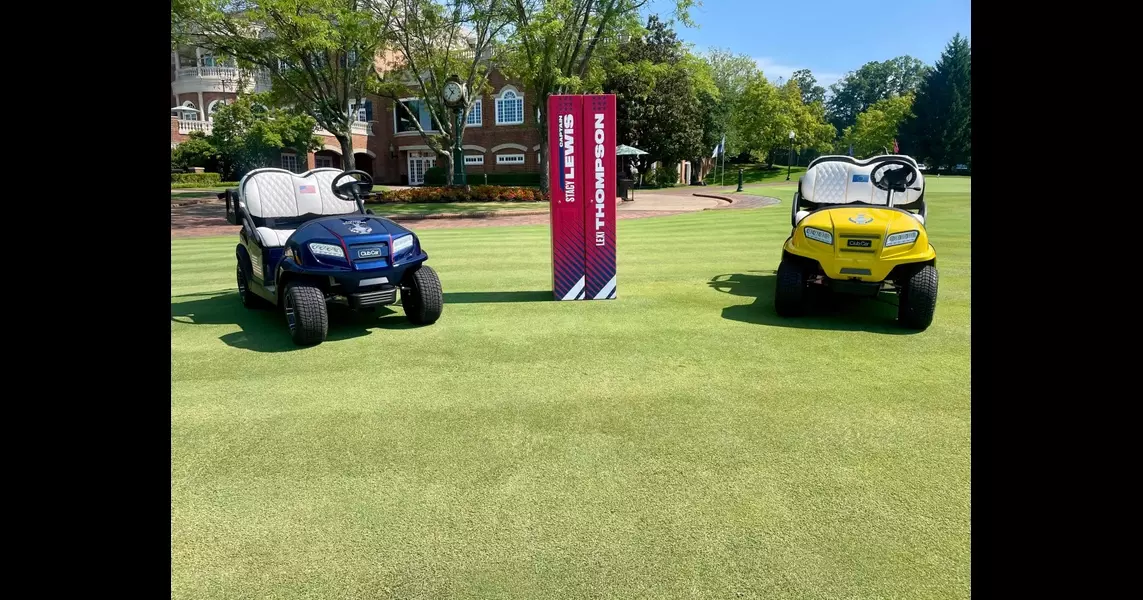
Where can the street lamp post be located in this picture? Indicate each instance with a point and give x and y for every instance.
(790, 160)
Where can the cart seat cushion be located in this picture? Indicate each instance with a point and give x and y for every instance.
(273, 238)
(280, 194)
(843, 180)
(801, 214)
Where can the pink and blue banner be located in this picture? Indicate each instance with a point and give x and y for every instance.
(582, 179)
(599, 213)
(565, 173)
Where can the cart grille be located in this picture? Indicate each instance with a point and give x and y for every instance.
(375, 298)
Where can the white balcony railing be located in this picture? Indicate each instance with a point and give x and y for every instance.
(224, 75)
(187, 126)
(356, 128)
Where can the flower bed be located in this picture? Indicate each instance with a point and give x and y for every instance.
(477, 193)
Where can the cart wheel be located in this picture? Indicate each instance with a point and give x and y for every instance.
(790, 292)
(918, 299)
(306, 315)
(249, 298)
(422, 299)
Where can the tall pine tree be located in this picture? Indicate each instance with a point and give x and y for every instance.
(940, 132)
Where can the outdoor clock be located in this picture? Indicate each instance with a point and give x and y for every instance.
(454, 94)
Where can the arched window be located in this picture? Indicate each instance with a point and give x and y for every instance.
(509, 107)
(213, 106)
(189, 115)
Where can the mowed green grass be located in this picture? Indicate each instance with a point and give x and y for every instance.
(680, 441)
(433, 208)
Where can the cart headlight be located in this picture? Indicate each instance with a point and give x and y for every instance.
(824, 237)
(401, 244)
(897, 239)
(327, 250)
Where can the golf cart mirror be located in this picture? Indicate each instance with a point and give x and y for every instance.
(231, 198)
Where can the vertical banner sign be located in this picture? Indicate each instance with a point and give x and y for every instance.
(568, 169)
(599, 196)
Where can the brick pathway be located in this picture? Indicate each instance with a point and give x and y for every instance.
(208, 218)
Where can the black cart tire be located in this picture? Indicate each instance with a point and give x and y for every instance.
(306, 316)
(422, 297)
(918, 299)
(790, 293)
(248, 297)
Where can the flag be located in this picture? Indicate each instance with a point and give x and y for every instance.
(720, 148)
(896, 149)
(307, 189)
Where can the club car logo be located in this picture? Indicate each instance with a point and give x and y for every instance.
(358, 227)
(861, 219)
(369, 253)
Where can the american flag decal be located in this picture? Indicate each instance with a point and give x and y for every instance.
(307, 189)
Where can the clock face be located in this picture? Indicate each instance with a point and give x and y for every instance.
(453, 92)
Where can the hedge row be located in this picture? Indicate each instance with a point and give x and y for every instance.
(437, 176)
(185, 186)
(197, 178)
(477, 193)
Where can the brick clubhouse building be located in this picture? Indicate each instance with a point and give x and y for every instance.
(497, 137)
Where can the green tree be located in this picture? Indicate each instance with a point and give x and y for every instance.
(319, 54)
(808, 84)
(657, 88)
(436, 39)
(940, 132)
(767, 114)
(731, 73)
(249, 135)
(877, 127)
(873, 82)
(555, 45)
(195, 151)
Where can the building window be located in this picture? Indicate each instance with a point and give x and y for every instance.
(213, 106)
(290, 162)
(510, 107)
(321, 161)
(473, 159)
(403, 124)
(475, 118)
(509, 159)
(189, 115)
(361, 109)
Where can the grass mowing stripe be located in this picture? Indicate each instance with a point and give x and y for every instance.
(678, 441)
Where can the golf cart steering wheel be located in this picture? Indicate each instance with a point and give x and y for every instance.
(899, 179)
(351, 190)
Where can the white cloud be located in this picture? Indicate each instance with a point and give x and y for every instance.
(773, 69)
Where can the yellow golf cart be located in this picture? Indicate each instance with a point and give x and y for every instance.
(859, 228)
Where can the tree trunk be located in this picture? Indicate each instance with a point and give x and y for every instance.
(346, 142)
(545, 185)
(445, 158)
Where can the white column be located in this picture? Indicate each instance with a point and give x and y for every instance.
(201, 106)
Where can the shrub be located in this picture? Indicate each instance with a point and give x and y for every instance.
(197, 178)
(667, 176)
(477, 193)
(183, 186)
(438, 176)
(435, 176)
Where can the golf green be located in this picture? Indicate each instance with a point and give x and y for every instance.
(679, 441)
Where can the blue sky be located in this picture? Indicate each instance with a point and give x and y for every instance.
(829, 37)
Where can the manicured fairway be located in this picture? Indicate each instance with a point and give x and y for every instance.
(679, 442)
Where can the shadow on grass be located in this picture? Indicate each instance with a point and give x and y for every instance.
(837, 312)
(264, 329)
(489, 297)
